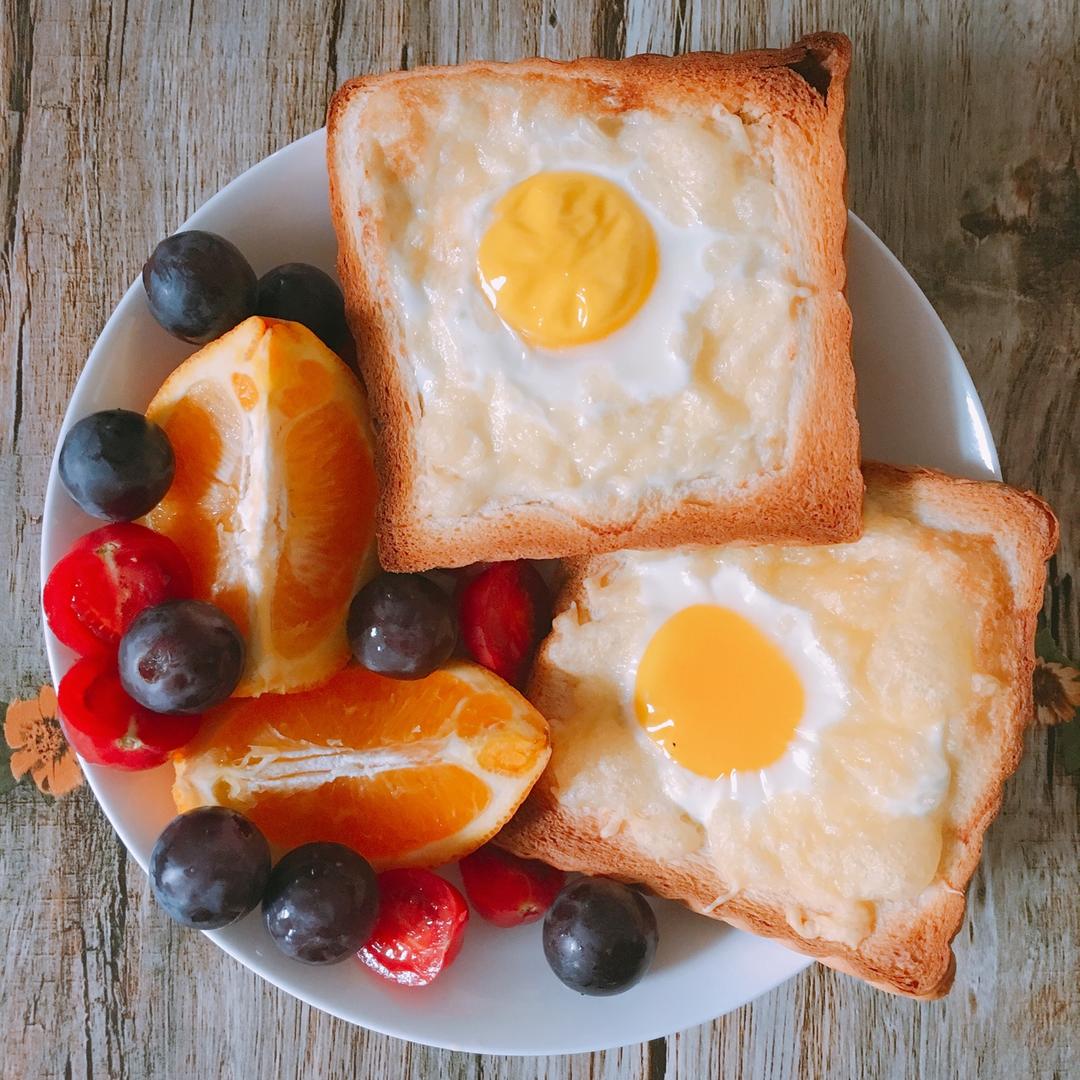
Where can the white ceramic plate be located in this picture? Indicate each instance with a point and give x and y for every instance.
(916, 404)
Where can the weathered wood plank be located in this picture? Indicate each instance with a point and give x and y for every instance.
(120, 119)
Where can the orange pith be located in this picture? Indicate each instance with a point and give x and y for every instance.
(274, 496)
(407, 773)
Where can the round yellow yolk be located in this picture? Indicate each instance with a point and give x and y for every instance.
(568, 258)
(716, 693)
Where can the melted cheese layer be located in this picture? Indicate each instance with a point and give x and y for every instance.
(910, 619)
(699, 384)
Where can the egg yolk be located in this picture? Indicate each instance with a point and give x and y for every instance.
(569, 257)
(716, 693)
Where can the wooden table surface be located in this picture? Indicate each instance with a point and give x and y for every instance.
(120, 120)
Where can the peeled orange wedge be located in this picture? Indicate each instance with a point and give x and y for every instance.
(407, 773)
(274, 497)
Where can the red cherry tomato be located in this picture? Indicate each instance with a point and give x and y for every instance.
(419, 928)
(108, 727)
(506, 890)
(504, 611)
(96, 590)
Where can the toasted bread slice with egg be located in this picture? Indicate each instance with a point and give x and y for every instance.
(599, 304)
(845, 822)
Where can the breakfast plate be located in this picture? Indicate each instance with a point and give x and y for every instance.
(916, 405)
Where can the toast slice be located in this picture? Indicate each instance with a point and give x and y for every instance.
(723, 409)
(862, 858)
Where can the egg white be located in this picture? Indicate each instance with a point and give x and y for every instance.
(669, 583)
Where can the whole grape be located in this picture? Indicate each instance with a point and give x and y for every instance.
(116, 464)
(402, 625)
(183, 656)
(209, 867)
(198, 285)
(320, 903)
(599, 936)
(305, 294)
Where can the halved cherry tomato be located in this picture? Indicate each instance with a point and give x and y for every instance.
(504, 611)
(419, 928)
(96, 590)
(108, 727)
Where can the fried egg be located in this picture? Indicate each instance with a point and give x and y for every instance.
(585, 274)
(729, 687)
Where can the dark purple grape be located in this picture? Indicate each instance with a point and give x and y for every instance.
(320, 903)
(302, 293)
(599, 936)
(183, 656)
(209, 867)
(402, 625)
(116, 464)
(198, 285)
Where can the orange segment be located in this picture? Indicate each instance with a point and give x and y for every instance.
(325, 442)
(407, 773)
(430, 805)
(274, 497)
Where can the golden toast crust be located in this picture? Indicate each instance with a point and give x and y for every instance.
(816, 497)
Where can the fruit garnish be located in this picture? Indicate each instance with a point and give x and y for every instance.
(183, 656)
(116, 464)
(599, 936)
(504, 611)
(305, 294)
(419, 928)
(320, 903)
(404, 772)
(274, 498)
(402, 626)
(106, 726)
(95, 591)
(506, 890)
(198, 285)
(209, 868)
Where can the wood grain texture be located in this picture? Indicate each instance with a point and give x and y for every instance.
(119, 120)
